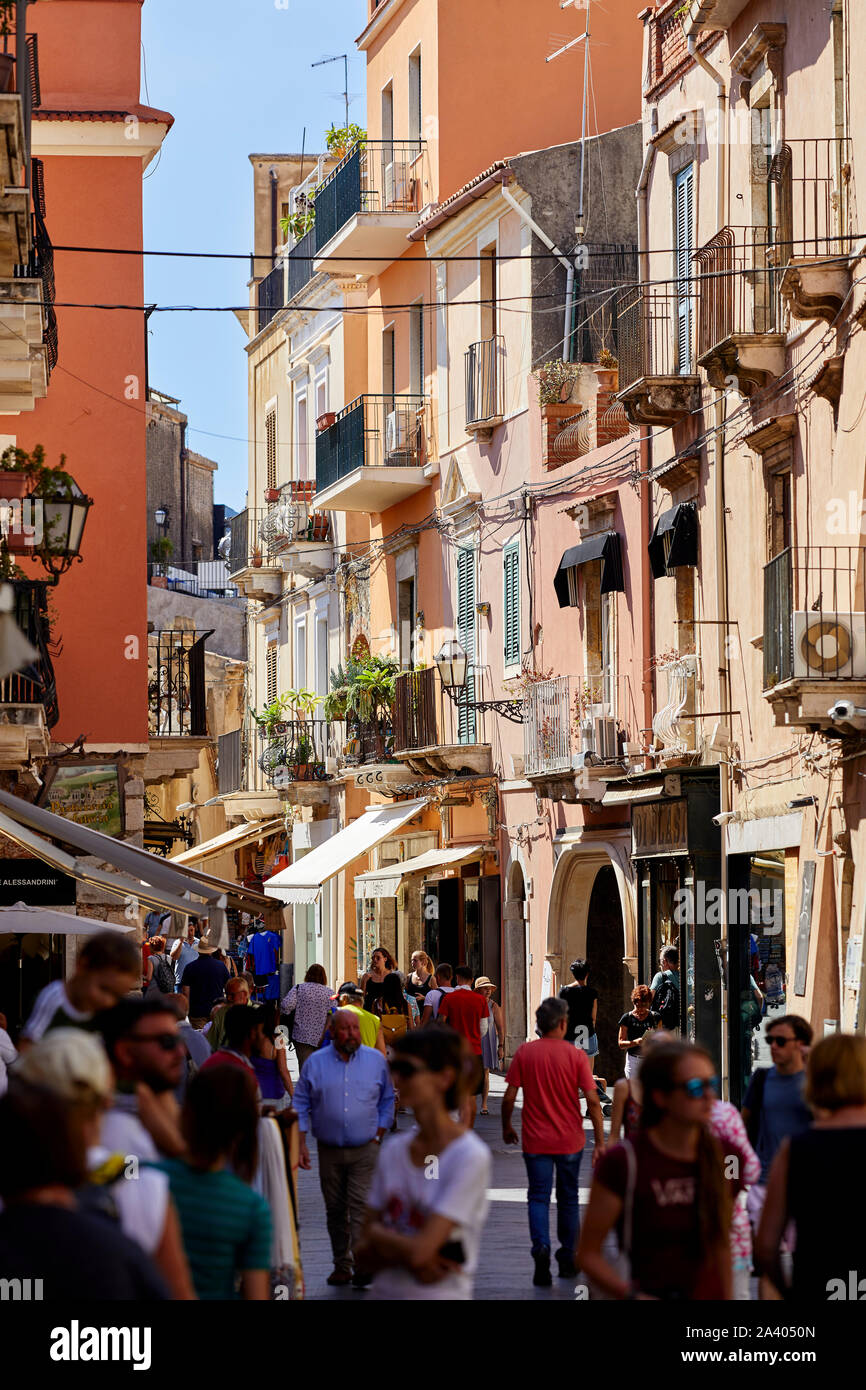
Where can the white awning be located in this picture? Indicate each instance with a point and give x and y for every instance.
(302, 882)
(627, 796)
(385, 882)
(232, 839)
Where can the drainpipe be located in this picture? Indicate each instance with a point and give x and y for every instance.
(273, 178)
(724, 706)
(645, 446)
(569, 268)
(721, 163)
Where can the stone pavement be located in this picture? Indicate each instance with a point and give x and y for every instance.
(505, 1268)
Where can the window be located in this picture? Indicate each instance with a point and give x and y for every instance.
(302, 438)
(388, 114)
(301, 654)
(271, 672)
(271, 446)
(415, 98)
(684, 224)
(388, 368)
(778, 512)
(511, 604)
(600, 642)
(416, 350)
(466, 637)
(488, 293)
(406, 618)
(321, 396)
(322, 672)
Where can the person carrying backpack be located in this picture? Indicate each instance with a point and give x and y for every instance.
(159, 971)
(666, 989)
(396, 1016)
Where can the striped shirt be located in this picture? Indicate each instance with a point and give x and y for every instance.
(226, 1227)
(53, 1010)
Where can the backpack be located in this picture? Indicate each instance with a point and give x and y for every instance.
(162, 981)
(394, 1024)
(667, 1003)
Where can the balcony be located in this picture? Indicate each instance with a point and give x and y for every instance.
(740, 337)
(674, 725)
(200, 578)
(814, 639)
(706, 15)
(815, 194)
(176, 703)
(569, 747)
(298, 535)
(253, 563)
(28, 698)
(485, 386)
(433, 735)
(298, 759)
(270, 296)
(366, 207)
(374, 455)
(658, 383)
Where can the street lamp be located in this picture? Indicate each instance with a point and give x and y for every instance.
(64, 514)
(160, 516)
(453, 666)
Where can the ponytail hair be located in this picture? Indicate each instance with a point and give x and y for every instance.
(658, 1073)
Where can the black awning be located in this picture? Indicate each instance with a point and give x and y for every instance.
(675, 539)
(605, 547)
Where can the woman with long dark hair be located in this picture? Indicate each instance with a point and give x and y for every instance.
(382, 964)
(665, 1190)
(226, 1225)
(396, 1016)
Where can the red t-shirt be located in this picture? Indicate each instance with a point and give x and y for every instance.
(464, 1010)
(549, 1071)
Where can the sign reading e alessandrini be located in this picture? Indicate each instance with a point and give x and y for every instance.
(33, 882)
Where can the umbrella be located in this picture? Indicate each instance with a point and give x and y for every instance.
(24, 919)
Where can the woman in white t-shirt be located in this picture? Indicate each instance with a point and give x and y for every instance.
(428, 1198)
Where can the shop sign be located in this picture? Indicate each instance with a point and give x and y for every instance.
(659, 827)
(33, 882)
(89, 794)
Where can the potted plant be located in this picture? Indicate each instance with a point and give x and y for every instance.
(326, 420)
(341, 139)
(271, 719)
(301, 757)
(363, 692)
(272, 494)
(161, 552)
(256, 558)
(556, 381)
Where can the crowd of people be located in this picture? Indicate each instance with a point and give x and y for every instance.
(152, 1136)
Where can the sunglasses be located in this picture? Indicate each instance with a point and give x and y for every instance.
(166, 1042)
(777, 1040)
(699, 1086)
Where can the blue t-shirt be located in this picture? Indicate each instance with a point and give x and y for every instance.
(265, 950)
(784, 1114)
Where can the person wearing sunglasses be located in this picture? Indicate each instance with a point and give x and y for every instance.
(427, 1202)
(664, 1190)
(146, 1049)
(775, 1109)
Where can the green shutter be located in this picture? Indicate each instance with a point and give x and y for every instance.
(466, 637)
(684, 206)
(511, 604)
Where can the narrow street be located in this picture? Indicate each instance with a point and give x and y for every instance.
(505, 1271)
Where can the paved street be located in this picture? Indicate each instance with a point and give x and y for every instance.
(505, 1270)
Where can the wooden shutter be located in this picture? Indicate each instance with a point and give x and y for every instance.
(684, 207)
(511, 604)
(466, 637)
(271, 672)
(271, 446)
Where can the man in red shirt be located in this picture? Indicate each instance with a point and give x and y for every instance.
(467, 1013)
(552, 1074)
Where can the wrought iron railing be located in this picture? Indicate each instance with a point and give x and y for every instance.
(815, 614)
(415, 714)
(809, 198)
(655, 332)
(296, 751)
(35, 685)
(485, 381)
(378, 176)
(270, 295)
(177, 705)
(202, 578)
(299, 264)
(260, 535)
(372, 431)
(738, 277)
(548, 738)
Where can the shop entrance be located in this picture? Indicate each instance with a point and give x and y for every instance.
(757, 955)
(513, 992)
(608, 973)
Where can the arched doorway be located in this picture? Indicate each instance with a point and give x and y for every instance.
(513, 993)
(610, 976)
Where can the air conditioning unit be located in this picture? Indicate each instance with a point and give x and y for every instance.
(605, 739)
(829, 645)
(397, 433)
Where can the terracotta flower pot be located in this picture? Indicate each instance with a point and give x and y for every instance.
(272, 494)
(13, 484)
(257, 562)
(324, 422)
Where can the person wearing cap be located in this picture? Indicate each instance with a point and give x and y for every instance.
(203, 982)
(371, 1029)
(493, 1042)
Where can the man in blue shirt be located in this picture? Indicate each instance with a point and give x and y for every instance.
(345, 1097)
(185, 952)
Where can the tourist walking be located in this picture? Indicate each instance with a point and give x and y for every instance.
(203, 982)
(665, 986)
(185, 950)
(582, 1001)
(344, 1097)
(395, 1016)
(428, 1198)
(552, 1073)
(311, 1003)
(159, 976)
(351, 998)
(237, 992)
(493, 1042)
(108, 967)
(634, 1026)
(226, 1226)
(467, 1013)
(382, 963)
(422, 977)
(810, 1185)
(434, 997)
(270, 1059)
(148, 1056)
(727, 1126)
(664, 1190)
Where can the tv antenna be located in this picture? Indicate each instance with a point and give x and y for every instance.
(344, 59)
(584, 39)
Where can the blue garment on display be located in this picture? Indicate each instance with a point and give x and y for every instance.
(265, 951)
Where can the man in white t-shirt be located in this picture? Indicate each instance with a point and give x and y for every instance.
(444, 976)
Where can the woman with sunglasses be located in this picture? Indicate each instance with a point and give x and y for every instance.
(665, 1190)
(428, 1198)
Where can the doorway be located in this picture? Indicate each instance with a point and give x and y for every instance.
(609, 975)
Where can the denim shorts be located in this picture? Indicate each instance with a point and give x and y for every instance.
(591, 1048)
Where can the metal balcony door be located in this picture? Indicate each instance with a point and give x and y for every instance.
(466, 637)
(684, 220)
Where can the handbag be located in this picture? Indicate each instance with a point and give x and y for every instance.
(622, 1263)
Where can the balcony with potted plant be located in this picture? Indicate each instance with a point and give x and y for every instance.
(362, 695)
(253, 560)
(297, 751)
(368, 204)
(374, 455)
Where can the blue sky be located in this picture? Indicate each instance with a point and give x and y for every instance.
(237, 79)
